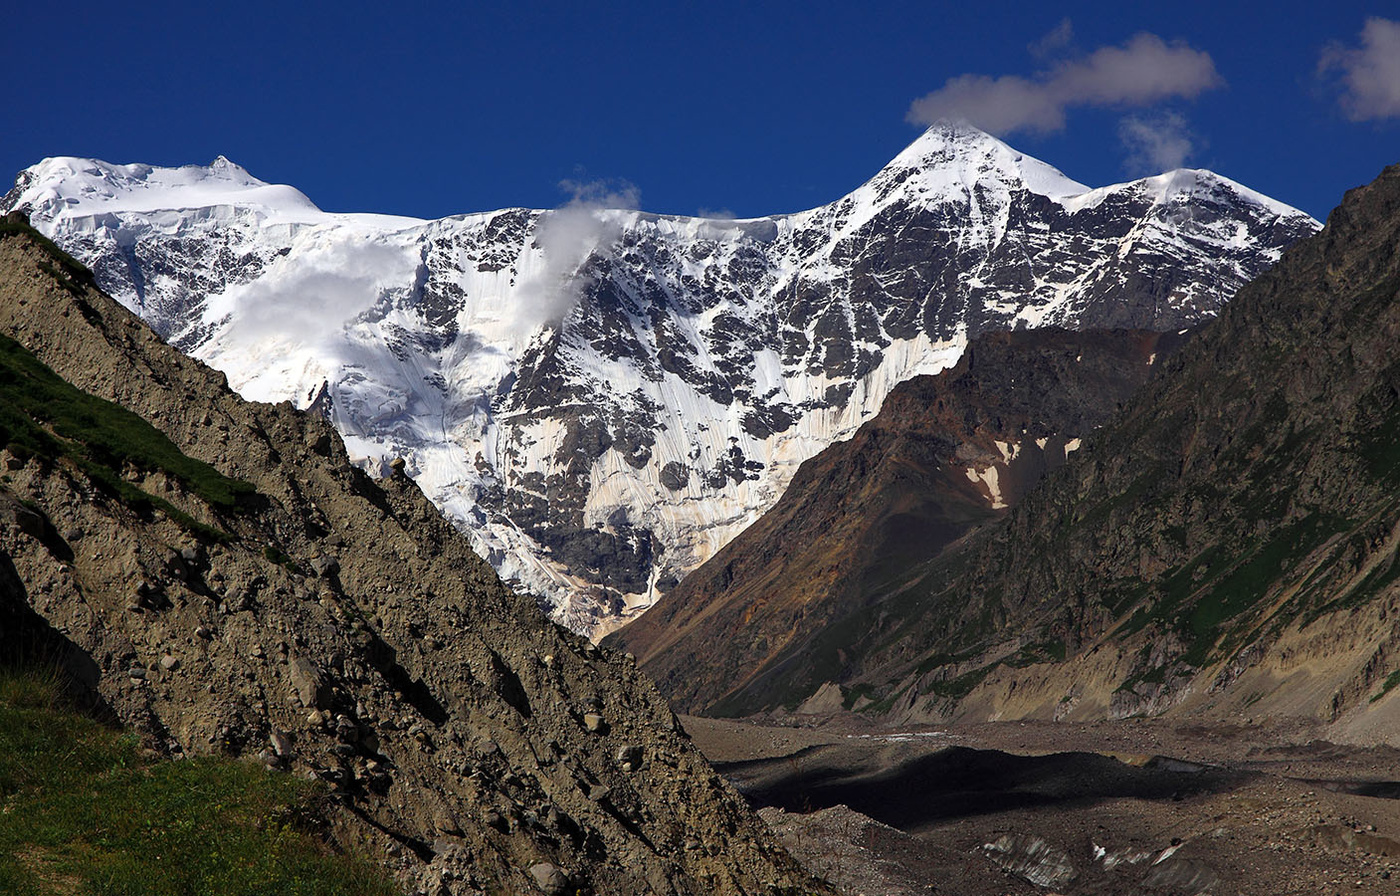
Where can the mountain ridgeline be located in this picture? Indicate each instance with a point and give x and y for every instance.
(215, 575)
(603, 398)
(1227, 544)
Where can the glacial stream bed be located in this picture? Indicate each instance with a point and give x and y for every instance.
(1124, 807)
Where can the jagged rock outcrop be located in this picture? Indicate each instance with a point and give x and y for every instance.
(223, 580)
(604, 398)
(1227, 545)
(947, 454)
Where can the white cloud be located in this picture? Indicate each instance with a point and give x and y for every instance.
(996, 105)
(604, 193)
(1056, 40)
(321, 291)
(1143, 71)
(567, 236)
(715, 214)
(1155, 143)
(1370, 73)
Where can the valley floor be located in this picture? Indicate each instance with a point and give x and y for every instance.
(1134, 806)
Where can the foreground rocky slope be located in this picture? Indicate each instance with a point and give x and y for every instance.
(604, 398)
(219, 577)
(947, 454)
(1228, 545)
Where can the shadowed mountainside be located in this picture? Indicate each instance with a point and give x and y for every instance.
(946, 455)
(1229, 542)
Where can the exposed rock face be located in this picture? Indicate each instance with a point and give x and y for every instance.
(604, 398)
(339, 628)
(946, 455)
(1228, 545)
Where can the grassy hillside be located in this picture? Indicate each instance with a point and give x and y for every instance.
(43, 415)
(83, 811)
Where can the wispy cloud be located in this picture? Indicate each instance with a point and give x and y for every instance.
(320, 293)
(567, 236)
(1056, 41)
(602, 193)
(1155, 142)
(1369, 73)
(1141, 72)
(715, 214)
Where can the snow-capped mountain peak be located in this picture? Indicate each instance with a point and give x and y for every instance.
(72, 188)
(956, 152)
(604, 398)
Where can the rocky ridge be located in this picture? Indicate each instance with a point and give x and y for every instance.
(1225, 548)
(331, 626)
(604, 398)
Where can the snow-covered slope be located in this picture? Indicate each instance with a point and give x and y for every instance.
(603, 398)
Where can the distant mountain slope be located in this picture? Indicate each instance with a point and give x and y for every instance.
(1228, 545)
(946, 455)
(604, 398)
(221, 579)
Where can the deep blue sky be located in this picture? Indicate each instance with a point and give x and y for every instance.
(746, 108)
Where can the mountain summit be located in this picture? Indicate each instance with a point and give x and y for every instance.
(604, 398)
(957, 155)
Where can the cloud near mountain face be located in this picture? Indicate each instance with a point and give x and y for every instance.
(568, 235)
(1143, 71)
(1155, 142)
(1370, 73)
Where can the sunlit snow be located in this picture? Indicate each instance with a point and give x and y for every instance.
(419, 331)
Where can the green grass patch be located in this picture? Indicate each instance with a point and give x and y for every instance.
(70, 269)
(1375, 583)
(850, 697)
(880, 707)
(1390, 682)
(1157, 675)
(1250, 580)
(1034, 654)
(934, 660)
(960, 687)
(1208, 599)
(1379, 447)
(1138, 493)
(281, 558)
(82, 811)
(42, 414)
